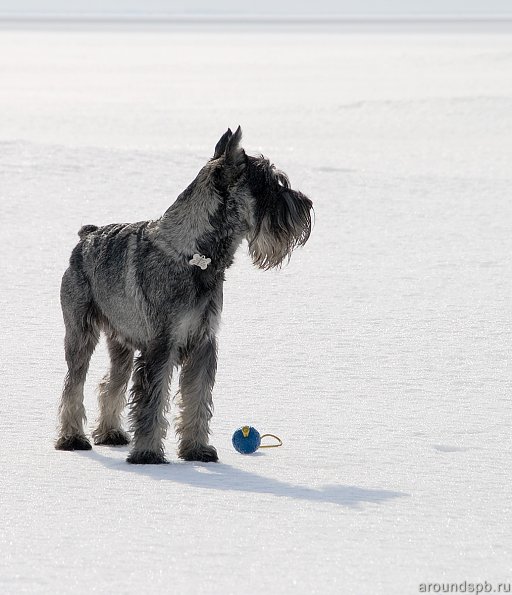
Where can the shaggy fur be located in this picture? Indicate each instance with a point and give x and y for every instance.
(145, 285)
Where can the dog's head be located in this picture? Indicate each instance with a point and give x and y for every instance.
(278, 218)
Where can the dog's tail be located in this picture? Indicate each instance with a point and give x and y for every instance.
(86, 230)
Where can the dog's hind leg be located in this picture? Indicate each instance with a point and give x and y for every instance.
(149, 401)
(82, 334)
(195, 402)
(112, 396)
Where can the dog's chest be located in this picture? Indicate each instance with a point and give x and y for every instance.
(190, 325)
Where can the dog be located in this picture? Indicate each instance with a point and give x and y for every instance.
(155, 287)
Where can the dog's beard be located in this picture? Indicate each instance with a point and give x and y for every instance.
(281, 228)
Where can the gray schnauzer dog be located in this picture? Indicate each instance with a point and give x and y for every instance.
(155, 287)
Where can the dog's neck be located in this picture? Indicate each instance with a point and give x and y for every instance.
(196, 223)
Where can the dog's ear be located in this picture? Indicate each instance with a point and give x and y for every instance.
(231, 167)
(234, 154)
(220, 147)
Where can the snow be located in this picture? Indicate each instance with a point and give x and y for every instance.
(380, 355)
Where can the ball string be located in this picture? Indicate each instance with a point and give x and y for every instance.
(280, 442)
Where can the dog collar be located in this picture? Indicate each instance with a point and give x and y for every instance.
(199, 260)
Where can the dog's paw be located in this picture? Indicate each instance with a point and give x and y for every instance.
(78, 442)
(146, 457)
(204, 454)
(111, 437)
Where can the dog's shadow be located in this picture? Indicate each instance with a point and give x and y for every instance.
(220, 476)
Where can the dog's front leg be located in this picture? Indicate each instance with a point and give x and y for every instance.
(149, 401)
(196, 406)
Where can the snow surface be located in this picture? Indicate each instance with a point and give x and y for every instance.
(380, 355)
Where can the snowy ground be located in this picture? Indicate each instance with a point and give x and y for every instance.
(380, 355)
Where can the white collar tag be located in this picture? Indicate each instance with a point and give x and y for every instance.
(201, 261)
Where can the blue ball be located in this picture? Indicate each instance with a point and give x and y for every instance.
(246, 440)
